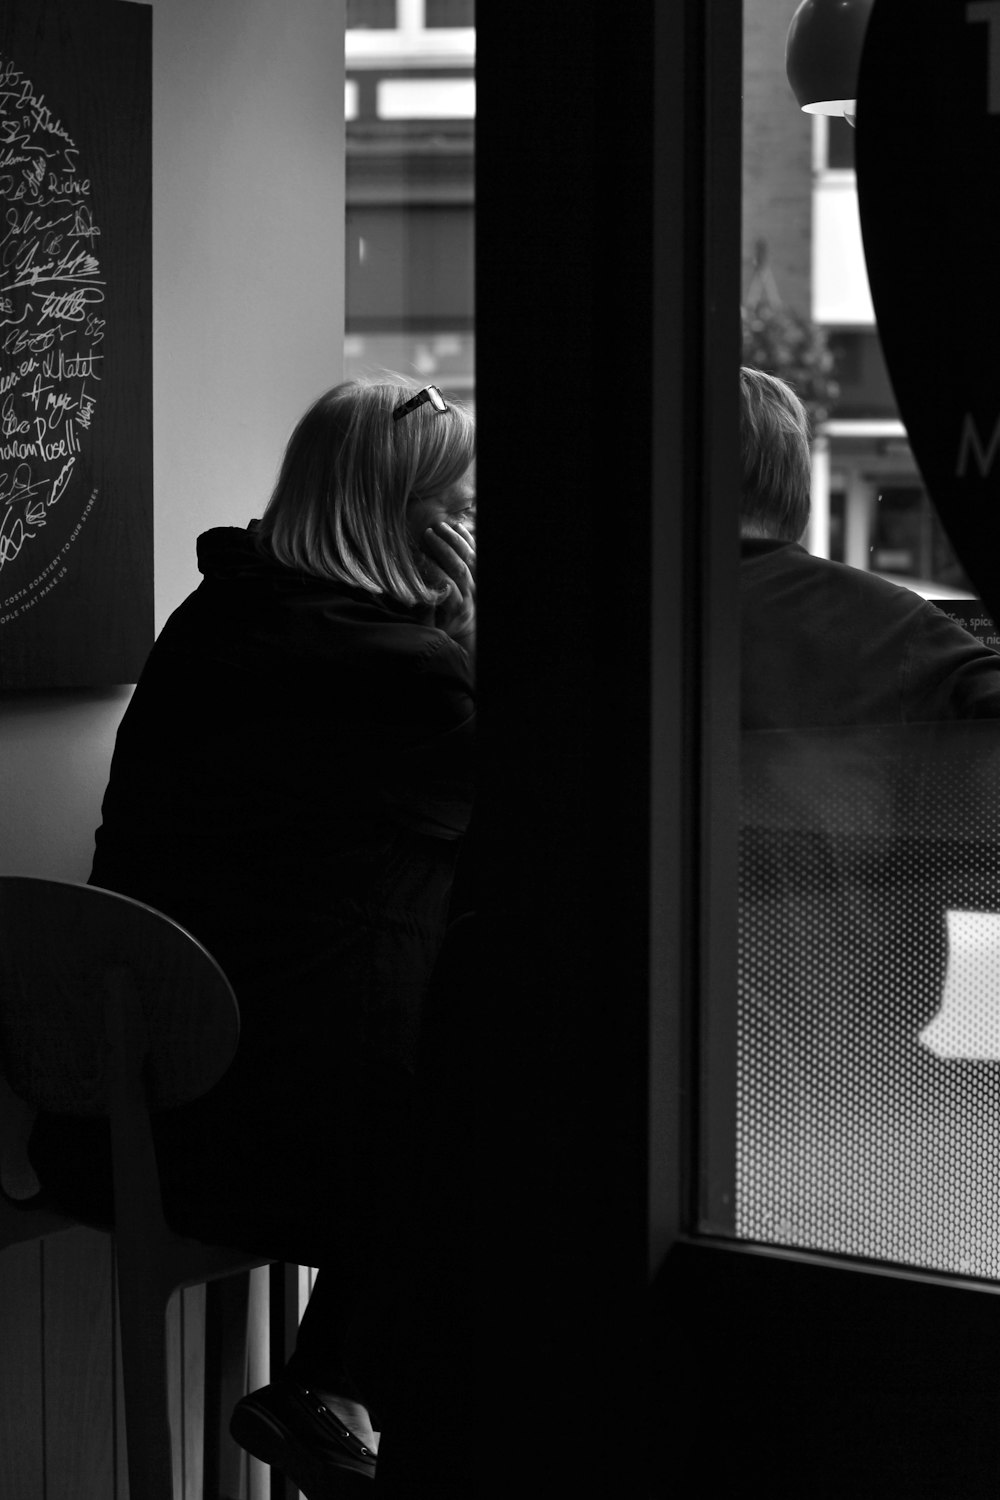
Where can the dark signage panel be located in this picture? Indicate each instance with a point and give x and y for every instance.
(971, 614)
(76, 543)
(928, 164)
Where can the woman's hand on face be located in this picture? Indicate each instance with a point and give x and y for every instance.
(451, 547)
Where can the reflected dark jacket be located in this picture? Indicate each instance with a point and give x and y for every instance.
(826, 644)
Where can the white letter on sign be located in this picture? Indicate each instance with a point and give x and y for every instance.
(970, 444)
(968, 1021)
(989, 11)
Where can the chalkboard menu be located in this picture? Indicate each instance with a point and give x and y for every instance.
(76, 547)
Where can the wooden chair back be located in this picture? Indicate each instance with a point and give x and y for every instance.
(82, 970)
(108, 1007)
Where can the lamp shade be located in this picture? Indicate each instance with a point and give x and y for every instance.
(823, 52)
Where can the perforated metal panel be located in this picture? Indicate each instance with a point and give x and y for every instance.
(868, 1109)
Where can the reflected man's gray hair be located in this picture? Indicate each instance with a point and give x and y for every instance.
(349, 474)
(774, 447)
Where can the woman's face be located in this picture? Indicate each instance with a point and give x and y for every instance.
(456, 505)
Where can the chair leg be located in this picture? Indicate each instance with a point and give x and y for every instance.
(142, 1321)
(283, 1303)
(226, 1306)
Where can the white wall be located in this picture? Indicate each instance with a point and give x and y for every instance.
(248, 293)
(840, 293)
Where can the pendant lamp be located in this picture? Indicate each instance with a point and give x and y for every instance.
(822, 55)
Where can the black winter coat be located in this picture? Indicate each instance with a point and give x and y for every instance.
(290, 782)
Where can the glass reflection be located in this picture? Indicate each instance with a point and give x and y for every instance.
(868, 1028)
(410, 107)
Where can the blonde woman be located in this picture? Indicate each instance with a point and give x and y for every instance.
(291, 782)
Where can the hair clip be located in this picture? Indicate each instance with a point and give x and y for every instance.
(429, 393)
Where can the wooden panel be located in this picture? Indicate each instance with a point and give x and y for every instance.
(283, 1315)
(259, 1346)
(307, 1280)
(262, 1484)
(22, 1463)
(226, 1330)
(175, 1392)
(118, 1434)
(78, 1355)
(824, 1378)
(80, 1405)
(185, 1384)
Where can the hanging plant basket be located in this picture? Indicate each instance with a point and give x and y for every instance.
(786, 344)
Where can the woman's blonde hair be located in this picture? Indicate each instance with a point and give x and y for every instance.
(338, 510)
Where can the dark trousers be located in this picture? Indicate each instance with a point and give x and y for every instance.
(314, 1177)
(345, 1162)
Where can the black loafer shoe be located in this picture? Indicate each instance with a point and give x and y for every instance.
(286, 1426)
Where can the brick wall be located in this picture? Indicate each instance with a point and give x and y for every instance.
(777, 155)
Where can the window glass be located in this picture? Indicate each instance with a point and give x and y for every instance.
(377, 13)
(864, 391)
(839, 144)
(410, 105)
(867, 1023)
(450, 13)
(869, 1037)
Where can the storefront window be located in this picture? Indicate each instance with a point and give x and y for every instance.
(411, 192)
(868, 1032)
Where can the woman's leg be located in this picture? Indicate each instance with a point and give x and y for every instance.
(345, 1339)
